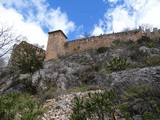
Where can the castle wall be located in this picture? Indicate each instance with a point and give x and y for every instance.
(155, 34)
(95, 42)
(57, 45)
(20, 49)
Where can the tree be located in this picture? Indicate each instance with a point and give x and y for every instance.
(27, 57)
(7, 39)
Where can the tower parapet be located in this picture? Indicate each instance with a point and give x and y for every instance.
(55, 46)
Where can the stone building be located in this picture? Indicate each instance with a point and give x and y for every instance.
(59, 46)
(19, 51)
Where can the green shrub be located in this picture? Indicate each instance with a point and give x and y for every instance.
(145, 41)
(134, 100)
(27, 58)
(125, 110)
(152, 60)
(102, 49)
(15, 106)
(116, 64)
(27, 86)
(144, 59)
(96, 105)
(116, 43)
(128, 44)
(134, 92)
(142, 100)
(49, 94)
(148, 116)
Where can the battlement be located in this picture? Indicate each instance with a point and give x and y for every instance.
(58, 46)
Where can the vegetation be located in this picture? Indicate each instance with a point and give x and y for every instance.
(116, 64)
(49, 94)
(15, 106)
(145, 97)
(96, 105)
(7, 39)
(130, 100)
(27, 86)
(102, 49)
(27, 58)
(145, 41)
(140, 100)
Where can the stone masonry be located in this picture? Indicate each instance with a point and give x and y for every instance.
(57, 45)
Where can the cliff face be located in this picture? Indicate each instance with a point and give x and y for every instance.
(97, 66)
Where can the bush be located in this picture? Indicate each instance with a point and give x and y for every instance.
(15, 106)
(144, 59)
(152, 60)
(49, 94)
(142, 100)
(145, 41)
(27, 86)
(148, 116)
(96, 105)
(119, 44)
(27, 58)
(116, 64)
(102, 49)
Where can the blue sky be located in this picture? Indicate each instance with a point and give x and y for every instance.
(35, 18)
(85, 13)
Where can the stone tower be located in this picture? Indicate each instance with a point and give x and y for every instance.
(56, 45)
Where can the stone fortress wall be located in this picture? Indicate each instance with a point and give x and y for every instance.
(57, 45)
(18, 49)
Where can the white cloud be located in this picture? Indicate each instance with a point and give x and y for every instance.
(32, 31)
(34, 18)
(110, 1)
(131, 14)
(120, 19)
(113, 1)
(58, 20)
(97, 31)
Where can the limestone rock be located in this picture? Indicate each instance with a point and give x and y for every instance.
(61, 108)
(149, 50)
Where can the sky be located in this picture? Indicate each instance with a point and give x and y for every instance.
(35, 18)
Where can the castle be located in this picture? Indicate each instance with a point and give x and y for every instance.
(57, 45)
(19, 51)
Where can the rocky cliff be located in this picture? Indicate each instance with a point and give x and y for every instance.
(120, 67)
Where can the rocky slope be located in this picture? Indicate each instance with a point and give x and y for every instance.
(61, 107)
(140, 66)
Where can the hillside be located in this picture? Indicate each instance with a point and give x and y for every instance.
(126, 76)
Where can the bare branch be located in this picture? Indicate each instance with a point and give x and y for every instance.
(8, 38)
